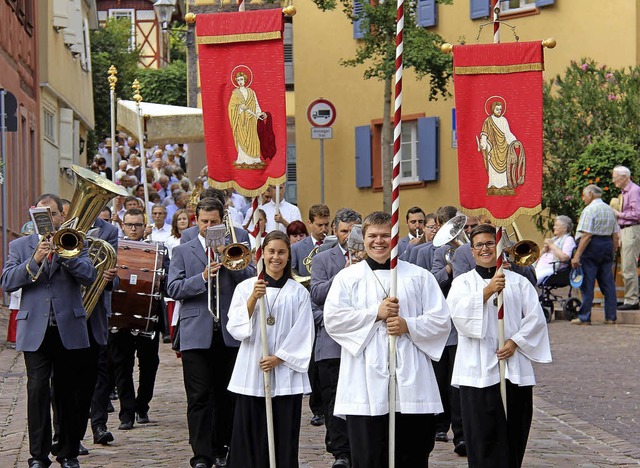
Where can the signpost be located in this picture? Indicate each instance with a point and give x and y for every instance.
(8, 123)
(321, 114)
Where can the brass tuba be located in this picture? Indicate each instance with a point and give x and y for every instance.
(235, 256)
(91, 195)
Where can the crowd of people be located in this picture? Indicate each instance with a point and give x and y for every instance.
(329, 315)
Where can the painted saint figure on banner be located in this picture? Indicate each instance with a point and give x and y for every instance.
(244, 114)
(503, 154)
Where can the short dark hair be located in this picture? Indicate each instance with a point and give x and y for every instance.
(318, 211)
(209, 204)
(48, 197)
(377, 218)
(482, 229)
(279, 235)
(414, 210)
(131, 198)
(133, 212)
(445, 213)
(297, 227)
(106, 208)
(211, 192)
(429, 217)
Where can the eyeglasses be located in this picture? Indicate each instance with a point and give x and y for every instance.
(430, 226)
(133, 225)
(481, 245)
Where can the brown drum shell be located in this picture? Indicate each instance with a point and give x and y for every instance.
(134, 304)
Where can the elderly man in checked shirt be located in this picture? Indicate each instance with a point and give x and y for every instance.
(598, 239)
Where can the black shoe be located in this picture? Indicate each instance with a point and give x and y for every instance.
(69, 463)
(125, 426)
(442, 437)
(166, 339)
(317, 420)
(54, 448)
(38, 464)
(220, 462)
(102, 436)
(113, 395)
(82, 450)
(461, 448)
(110, 408)
(341, 462)
(200, 465)
(142, 417)
(629, 307)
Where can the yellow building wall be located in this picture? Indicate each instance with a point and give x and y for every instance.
(583, 28)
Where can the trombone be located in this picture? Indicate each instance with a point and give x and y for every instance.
(214, 238)
(235, 256)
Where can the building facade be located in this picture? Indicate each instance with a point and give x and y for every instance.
(20, 77)
(583, 28)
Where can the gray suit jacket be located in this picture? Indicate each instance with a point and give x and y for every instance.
(402, 245)
(57, 291)
(425, 257)
(325, 266)
(412, 257)
(185, 284)
(463, 262)
(99, 318)
(438, 268)
(299, 252)
(192, 232)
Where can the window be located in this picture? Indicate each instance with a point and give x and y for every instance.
(513, 5)
(409, 157)
(130, 15)
(288, 54)
(50, 126)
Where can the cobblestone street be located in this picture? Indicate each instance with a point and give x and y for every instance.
(586, 410)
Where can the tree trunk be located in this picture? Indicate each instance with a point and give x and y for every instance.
(387, 151)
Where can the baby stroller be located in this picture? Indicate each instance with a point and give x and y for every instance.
(558, 280)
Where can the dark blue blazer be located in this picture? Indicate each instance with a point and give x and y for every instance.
(57, 291)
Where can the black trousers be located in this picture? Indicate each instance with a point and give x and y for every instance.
(449, 395)
(52, 362)
(493, 441)
(316, 404)
(123, 348)
(369, 438)
(100, 398)
(249, 444)
(337, 438)
(209, 404)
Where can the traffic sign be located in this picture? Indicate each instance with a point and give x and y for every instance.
(321, 133)
(321, 113)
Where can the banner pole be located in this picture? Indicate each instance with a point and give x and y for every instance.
(112, 98)
(495, 9)
(395, 206)
(3, 168)
(143, 158)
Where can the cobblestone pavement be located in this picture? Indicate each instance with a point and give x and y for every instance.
(586, 410)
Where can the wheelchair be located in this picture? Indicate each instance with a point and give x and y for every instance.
(548, 297)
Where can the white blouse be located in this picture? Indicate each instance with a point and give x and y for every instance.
(350, 318)
(476, 362)
(290, 339)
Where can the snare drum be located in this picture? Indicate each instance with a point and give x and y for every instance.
(134, 305)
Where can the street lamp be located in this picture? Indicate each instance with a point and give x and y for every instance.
(164, 12)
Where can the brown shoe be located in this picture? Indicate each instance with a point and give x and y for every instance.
(577, 321)
(609, 322)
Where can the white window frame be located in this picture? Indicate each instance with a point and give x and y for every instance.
(50, 125)
(413, 154)
(126, 13)
(505, 8)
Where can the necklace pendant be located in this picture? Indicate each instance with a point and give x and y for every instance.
(495, 301)
(271, 320)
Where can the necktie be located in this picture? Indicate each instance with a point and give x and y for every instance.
(318, 243)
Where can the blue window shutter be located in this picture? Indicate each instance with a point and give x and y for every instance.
(428, 149)
(480, 9)
(542, 3)
(364, 176)
(427, 13)
(358, 9)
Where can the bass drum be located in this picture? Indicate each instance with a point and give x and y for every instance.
(135, 304)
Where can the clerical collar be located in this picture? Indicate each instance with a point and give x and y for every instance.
(485, 273)
(378, 266)
(273, 283)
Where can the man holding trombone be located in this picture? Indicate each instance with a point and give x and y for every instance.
(208, 351)
(52, 333)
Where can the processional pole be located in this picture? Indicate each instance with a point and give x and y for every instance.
(113, 79)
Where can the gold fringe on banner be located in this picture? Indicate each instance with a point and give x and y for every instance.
(506, 221)
(499, 69)
(243, 191)
(249, 37)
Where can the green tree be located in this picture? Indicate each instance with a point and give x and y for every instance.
(376, 51)
(110, 45)
(164, 85)
(591, 120)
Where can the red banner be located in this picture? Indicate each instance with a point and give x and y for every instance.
(241, 58)
(498, 89)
